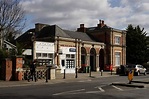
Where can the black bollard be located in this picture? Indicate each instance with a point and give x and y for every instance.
(64, 74)
(76, 73)
(89, 71)
(47, 75)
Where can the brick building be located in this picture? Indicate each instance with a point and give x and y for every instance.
(114, 39)
(96, 47)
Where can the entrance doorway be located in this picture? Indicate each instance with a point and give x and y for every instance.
(101, 59)
(93, 59)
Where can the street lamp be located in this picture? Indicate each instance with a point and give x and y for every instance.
(32, 40)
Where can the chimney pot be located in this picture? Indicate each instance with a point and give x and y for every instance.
(81, 25)
(99, 21)
(102, 22)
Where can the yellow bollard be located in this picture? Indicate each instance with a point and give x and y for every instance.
(130, 76)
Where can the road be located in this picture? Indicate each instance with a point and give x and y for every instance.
(82, 89)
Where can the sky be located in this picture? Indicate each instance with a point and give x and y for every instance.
(69, 14)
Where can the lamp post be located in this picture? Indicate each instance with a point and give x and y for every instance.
(32, 40)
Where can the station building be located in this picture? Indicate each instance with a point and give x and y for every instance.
(98, 47)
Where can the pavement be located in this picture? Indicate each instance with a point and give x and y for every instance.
(59, 79)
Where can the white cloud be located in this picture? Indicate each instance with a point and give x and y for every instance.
(68, 14)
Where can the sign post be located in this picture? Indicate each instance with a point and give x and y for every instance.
(130, 76)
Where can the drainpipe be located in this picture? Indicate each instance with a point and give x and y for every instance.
(58, 51)
(112, 46)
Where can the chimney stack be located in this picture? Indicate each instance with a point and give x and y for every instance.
(81, 25)
(39, 26)
(81, 29)
(101, 23)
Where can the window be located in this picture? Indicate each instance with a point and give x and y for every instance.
(38, 54)
(117, 58)
(70, 63)
(117, 40)
(67, 55)
(44, 54)
(70, 56)
(50, 55)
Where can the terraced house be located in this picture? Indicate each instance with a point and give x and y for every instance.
(99, 47)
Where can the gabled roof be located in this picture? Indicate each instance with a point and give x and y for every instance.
(26, 36)
(10, 44)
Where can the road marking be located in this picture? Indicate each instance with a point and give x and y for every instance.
(101, 89)
(92, 92)
(117, 88)
(85, 80)
(67, 92)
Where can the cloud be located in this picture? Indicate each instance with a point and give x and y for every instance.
(68, 14)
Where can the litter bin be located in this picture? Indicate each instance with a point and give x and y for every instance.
(51, 71)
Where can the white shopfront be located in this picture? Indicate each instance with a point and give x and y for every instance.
(44, 52)
(68, 59)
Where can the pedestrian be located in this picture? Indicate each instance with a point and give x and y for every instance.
(32, 71)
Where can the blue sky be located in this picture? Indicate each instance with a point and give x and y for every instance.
(69, 14)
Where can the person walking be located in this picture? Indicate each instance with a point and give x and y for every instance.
(32, 71)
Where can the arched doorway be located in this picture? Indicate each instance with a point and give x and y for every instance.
(83, 56)
(93, 59)
(101, 59)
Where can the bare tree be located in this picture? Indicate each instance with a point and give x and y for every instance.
(12, 18)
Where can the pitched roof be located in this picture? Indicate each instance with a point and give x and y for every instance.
(52, 31)
(78, 35)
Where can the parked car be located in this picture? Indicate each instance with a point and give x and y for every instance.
(138, 69)
(121, 70)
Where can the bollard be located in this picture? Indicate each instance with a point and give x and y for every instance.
(47, 75)
(64, 74)
(89, 71)
(101, 72)
(111, 71)
(76, 73)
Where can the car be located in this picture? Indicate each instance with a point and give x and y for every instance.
(138, 69)
(121, 70)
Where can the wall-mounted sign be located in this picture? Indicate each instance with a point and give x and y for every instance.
(72, 49)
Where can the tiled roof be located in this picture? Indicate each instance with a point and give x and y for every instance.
(78, 35)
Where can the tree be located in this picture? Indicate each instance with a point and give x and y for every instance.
(12, 18)
(136, 50)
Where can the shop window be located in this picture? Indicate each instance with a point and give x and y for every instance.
(70, 64)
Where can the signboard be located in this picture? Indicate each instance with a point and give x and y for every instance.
(72, 50)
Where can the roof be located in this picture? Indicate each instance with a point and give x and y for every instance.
(78, 35)
(52, 31)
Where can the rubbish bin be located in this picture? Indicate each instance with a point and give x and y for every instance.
(87, 69)
(51, 71)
